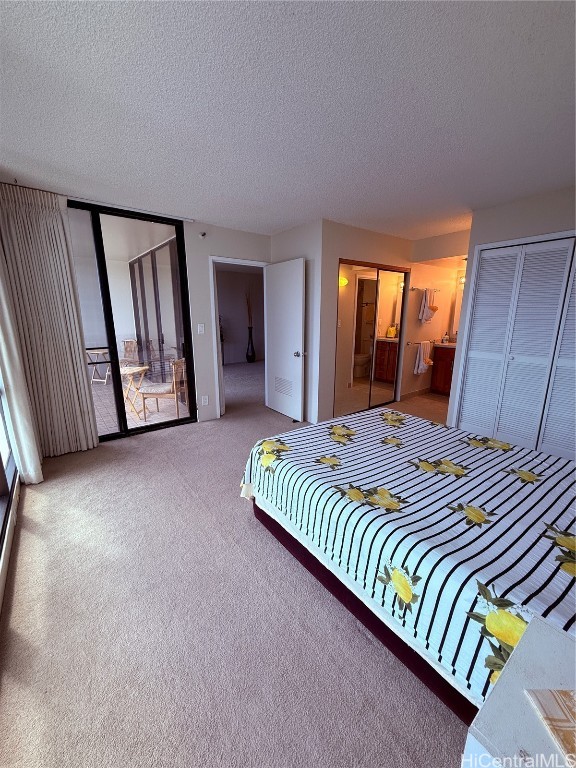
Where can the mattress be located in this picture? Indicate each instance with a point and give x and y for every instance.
(454, 540)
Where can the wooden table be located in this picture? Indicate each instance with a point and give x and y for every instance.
(98, 356)
(132, 376)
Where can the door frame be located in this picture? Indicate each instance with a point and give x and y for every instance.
(95, 212)
(216, 348)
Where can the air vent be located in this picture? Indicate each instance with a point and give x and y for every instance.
(283, 386)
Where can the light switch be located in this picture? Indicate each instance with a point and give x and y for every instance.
(204, 399)
(200, 328)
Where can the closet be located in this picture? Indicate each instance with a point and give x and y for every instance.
(518, 375)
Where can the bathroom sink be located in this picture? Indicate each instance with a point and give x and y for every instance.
(449, 344)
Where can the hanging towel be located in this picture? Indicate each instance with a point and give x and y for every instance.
(427, 308)
(422, 357)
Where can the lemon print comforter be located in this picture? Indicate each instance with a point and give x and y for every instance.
(454, 540)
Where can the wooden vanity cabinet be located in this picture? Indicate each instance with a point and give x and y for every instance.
(386, 360)
(442, 370)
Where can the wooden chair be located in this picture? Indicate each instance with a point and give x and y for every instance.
(130, 352)
(170, 391)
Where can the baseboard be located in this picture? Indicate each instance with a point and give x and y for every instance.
(416, 393)
(6, 544)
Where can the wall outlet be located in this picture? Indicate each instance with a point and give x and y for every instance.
(204, 399)
(200, 328)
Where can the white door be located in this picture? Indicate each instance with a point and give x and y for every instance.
(516, 313)
(488, 339)
(537, 311)
(284, 337)
(558, 431)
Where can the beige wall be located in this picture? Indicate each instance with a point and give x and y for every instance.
(228, 243)
(306, 242)
(345, 330)
(232, 290)
(340, 241)
(441, 247)
(536, 215)
(426, 276)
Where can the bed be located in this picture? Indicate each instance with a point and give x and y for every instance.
(453, 540)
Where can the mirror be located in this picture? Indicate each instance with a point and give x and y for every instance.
(369, 314)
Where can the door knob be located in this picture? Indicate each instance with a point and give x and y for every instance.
(296, 354)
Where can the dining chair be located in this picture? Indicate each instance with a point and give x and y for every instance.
(168, 391)
(130, 352)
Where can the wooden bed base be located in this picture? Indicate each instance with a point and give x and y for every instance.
(454, 700)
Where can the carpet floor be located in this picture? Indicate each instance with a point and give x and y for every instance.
(151, 621)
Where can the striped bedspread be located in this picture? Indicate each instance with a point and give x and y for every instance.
(455, 540)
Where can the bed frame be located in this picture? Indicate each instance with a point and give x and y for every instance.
(454, 700)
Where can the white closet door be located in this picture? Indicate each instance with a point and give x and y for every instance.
(558, 433)
(494, 286)
(537, 311)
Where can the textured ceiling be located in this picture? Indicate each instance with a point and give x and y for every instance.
(400, 117)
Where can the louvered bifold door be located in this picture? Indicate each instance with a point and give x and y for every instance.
(493, 288)
(558, 431)
(537, 311)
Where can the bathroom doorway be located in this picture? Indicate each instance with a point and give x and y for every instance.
(369, 333)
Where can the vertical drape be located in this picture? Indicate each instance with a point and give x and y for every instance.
(40, 283)
(17, 411)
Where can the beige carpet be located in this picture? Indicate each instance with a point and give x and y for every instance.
(150, 620)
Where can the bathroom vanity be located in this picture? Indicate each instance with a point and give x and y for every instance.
(386, 360)
(443, 368)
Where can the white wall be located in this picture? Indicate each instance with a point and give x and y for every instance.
(306, 242)
(227, 243)
(121, 298)
(232, 288)
(166, 295)
(84, 260)
(125, 238)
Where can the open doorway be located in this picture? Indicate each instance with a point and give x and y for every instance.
(368, 348)
(430, 338)
(239, 310)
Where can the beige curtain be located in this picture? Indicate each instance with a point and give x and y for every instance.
(38, 276)
(14, 390)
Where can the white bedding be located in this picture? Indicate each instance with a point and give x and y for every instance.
(413, 516)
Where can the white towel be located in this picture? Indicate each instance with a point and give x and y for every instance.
(422, 357)
(427, 307)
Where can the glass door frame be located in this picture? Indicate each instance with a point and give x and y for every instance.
(406, 271)
(184, 301)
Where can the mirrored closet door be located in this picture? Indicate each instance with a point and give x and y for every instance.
(370, 300)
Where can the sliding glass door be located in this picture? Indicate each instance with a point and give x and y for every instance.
(132, 285)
